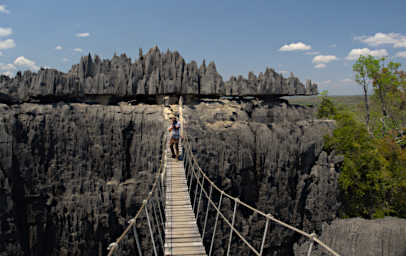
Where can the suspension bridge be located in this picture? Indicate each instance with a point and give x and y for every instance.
(174, 205)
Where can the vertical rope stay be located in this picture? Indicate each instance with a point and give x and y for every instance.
(264, 235)
(200, 197)
(160, 214)
(155, 217)
(232, 224)
(309, 252)
(207, 210)
(215, 224)
(197, 186)
(150, 228)
(137, 240)
(191, 179)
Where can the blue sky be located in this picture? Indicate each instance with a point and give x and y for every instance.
(315, 40)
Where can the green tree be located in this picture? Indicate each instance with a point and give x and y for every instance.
(372, 178)
(394, 174)
(388, 97)
(326, 108)
(361, 181)
(365, 68)
(373, 174)
(386, 85)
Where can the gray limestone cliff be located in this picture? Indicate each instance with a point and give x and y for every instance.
(152, 75)
(71, 175)
(356, 236)
(269, 155)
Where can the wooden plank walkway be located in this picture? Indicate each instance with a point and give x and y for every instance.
(182, 235)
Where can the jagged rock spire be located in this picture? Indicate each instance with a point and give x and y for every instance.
(153, 74)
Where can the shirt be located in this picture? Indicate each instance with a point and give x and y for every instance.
(176, 130)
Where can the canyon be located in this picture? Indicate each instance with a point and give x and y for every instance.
(79, 151)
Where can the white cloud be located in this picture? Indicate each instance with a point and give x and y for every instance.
(24, 62)
(347, 80)
(3, 9)
(299, 46)
(7, 67)
(8, 73)
(1, 54)
(7, 44)
(321, 65)
(332, 46)
(355, 53)
(312, 53)
(65, 59)
(395, 39)
(401, 54)
(78, 50)
(5, 31)
(324, 58)
(87, 34)
(58, 47)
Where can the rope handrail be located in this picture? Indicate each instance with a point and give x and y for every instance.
(187, 144)
(161, 172)
(224, 218)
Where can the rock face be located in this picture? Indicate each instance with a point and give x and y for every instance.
(152, 75)
(71, 175)
(270, 156)
(362, 237)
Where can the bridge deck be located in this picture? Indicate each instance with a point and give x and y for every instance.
(182, 236)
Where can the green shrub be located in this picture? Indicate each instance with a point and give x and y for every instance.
(326, 108)
(372, 178)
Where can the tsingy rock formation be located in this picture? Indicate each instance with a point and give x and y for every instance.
(149, 77)
(71, 175)
(356, 236)
(269, 155)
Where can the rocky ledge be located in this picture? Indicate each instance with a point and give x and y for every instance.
(356, 236)
(149, 77)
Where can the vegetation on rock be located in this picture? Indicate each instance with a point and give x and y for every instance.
(373, 142)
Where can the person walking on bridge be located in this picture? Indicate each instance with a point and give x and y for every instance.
(174, 128)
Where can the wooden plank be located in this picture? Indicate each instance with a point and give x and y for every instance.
(182, 235)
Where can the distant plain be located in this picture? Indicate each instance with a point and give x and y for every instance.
(351, 101)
